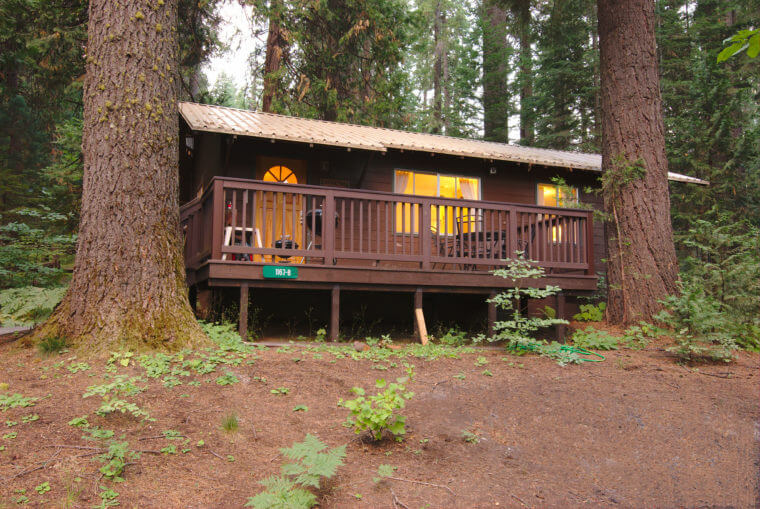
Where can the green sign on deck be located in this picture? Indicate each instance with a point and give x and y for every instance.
(280, 272)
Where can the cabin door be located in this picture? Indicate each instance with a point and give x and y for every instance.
(282, 221)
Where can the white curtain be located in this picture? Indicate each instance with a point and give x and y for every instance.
(469, 191)
(402, 180)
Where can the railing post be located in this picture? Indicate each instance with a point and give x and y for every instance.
(328, 229)
(217, 219)
(426, 235)
(590, 243)
(512, 232)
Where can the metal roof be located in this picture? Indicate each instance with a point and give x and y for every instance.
(219, 119)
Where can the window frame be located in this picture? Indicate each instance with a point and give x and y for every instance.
(557, 189)
(437, 190)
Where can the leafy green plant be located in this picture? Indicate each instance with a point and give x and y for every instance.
(28, 305)
(108, 498)
(593, 339)
(383, 472)
(30, 418)
(321, 335)
(76, 367)
(111, 402)
(51, 345)
(280, 391)
(378, 413)
(311, 462)
(481, 361)
(14, 401)
(591, 312)
(115, 459)
(639, 336)
(228, 378)
(230, 423)
(453, 337)
(300, 408)
(470, 437)
(517, 333)
(42, 488)
(79, 422)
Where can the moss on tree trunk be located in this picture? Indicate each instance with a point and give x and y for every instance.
(128, 285)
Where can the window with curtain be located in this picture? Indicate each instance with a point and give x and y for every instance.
(552, 195)
(433, 184)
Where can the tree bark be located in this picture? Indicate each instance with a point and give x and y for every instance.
(277, 47)
(495, 92)
(437, 69)
(525, 76)
(642, 266)
(128, 287)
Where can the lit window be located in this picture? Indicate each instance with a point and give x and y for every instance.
(280, 174)
(433, 184)
(552, 195)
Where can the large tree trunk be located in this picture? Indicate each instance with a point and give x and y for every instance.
(495, 54)
(525, 74)
(642, 264)
(438, 50)
(277, 47)
(128, 287)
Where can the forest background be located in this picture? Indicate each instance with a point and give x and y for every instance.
(514, 71)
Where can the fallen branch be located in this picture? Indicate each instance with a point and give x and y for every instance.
(160, 436)
(64, 446)
(397, 502)
(717, 375)
(38, 467)
(423, 483)
(519, 500)
(215, 454)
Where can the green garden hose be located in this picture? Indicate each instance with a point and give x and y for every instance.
(570, 349)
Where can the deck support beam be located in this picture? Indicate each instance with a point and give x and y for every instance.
(561, 314)
(334, 312)
(243, 317)
(419, 317)
(491, 315)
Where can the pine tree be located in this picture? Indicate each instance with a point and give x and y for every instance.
(128, 283)
(642, 266)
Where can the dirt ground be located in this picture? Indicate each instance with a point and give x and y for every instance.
(637, 430)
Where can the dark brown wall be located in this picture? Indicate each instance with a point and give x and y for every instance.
(229, 156)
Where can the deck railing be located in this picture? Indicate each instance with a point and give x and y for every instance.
(252, 221)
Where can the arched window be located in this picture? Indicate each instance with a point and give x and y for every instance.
(280, 174)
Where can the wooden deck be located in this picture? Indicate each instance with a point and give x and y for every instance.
(376, 241)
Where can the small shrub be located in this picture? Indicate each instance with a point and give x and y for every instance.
(470, 437)
(591, 312)
(228, 378)
(311, 462)
(321, 335)
(638, 336)
(230, 423)
(592, 339)
(454, 337)
(51, 345)
(377, 413)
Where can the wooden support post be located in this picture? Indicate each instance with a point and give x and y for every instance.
(491, 315)
(561, 314)
(243, 318)
(203, 302)
(419, 317)
(335, 313)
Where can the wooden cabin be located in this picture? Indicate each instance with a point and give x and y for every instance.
(271, 201)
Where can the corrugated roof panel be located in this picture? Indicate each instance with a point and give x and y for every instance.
(202, 117)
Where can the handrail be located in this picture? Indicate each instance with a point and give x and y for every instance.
(558, 237)
(324, 190)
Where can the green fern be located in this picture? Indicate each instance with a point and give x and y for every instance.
(593, 339)
(312, 461)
